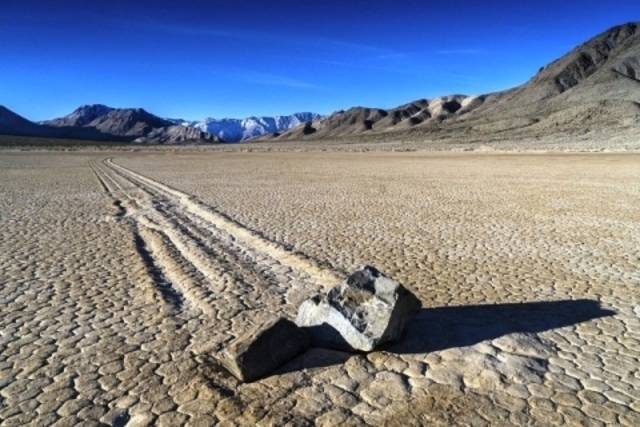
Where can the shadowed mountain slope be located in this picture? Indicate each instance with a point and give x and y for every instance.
(14, 124)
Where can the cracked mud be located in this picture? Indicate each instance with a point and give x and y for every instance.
(121, 274)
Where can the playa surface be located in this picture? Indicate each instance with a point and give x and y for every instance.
(122, 273)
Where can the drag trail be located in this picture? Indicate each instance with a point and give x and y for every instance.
(201, 260)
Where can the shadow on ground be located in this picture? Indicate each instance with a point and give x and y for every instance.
(434, 329)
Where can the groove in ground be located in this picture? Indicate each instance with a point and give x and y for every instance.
(322, 276)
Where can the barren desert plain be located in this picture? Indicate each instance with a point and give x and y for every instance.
(122, 274)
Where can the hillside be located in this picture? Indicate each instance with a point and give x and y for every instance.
(115, 122)
(82, 116)
(595, 85)
(14, 124)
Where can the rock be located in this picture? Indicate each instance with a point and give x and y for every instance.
(363, 312)
(262, 350)
(308, 128)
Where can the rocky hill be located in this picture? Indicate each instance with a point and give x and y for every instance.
(597, 84)
(134, 122)
(82, 116)
(178, 134)
(125, 124)
(362, 120)
(118, 122)
(605, 68)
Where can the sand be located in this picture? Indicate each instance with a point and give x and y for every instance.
(122, 273)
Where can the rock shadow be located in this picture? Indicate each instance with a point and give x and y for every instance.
(435, 329)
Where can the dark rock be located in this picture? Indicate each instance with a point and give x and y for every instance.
(264, 349)
(365, 311)
(308, 129)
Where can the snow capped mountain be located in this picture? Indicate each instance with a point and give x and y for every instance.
(180, 122)
(234, 130)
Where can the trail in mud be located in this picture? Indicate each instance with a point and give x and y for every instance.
(201, 261)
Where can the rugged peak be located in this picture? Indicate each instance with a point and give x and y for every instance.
(588, 58)
(81, 116)
(134, 122)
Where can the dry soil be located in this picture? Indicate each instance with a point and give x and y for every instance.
(121, 275)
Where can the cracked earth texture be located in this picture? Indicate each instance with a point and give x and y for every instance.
(122, 274)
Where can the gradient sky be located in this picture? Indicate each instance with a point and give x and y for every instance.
(194, 59)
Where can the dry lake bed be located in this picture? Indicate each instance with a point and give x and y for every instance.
(123, 273)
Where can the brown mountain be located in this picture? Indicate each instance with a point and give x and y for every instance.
(362, 120)
(596, 84)
(133, 122)
(605, 68)
(82, 116)
(128, 124)
(594, 87)
(114, 122)
(101, 123)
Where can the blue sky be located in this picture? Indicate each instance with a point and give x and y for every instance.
(196, 59)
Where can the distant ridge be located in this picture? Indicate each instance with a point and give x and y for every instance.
(594, 86)
(178, 134)
(139, 124)
(363, 120)
(235, 130)
(126, 124)
(119, 122)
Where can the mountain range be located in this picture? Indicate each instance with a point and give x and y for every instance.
(102, 123)
(594, 86)
(145, 127)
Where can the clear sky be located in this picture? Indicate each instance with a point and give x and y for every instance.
(194, 58)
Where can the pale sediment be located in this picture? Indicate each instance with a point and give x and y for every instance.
(118, 280)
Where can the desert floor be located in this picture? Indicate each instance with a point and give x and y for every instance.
(121, 275)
